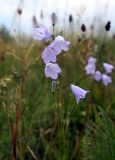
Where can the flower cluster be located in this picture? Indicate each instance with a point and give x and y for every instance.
(50, 53)
(49, 56)
(90, 69)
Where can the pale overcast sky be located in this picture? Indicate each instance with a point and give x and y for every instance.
(88, 8)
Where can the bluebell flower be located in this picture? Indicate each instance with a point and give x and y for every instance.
(52, 70)
(91, 60)
(90, 69)
(41, 33)
(91, 66)
(78, 92)
(108, 67)
(60, 44)
(97, 76)
(49, 54)
(106, 79)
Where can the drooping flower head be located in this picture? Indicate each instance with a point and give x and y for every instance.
(78, 92)
(91, 60)
(60, 44)
(49, 54)
(56, 47)
(106, 79)
(41, 33)
(108, 67)
(90, 69)
(91, 66)
(97, 76)
(52, 70)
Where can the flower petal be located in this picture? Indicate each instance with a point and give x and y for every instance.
(106, 79)
(108, 67)
(97, 76)
(41, 33)
(49, 55)
(78, 92)
(90, 69)
(52, 70)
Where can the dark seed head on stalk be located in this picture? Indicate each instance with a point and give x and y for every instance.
(70, 18)
(83, 27)
(54, 18)
(34, 21)
(92, 27)
(19, 11)
(108, 26)
(41, 14)
(79, 40)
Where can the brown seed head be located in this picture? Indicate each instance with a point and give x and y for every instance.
(108, 26)
(70, 18)
(19, 11)
(83, 27)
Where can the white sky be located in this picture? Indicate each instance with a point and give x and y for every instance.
(86, 8)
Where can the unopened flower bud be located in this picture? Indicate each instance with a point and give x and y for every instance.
(54, 84)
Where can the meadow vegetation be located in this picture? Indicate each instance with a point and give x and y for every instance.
(38, 123)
